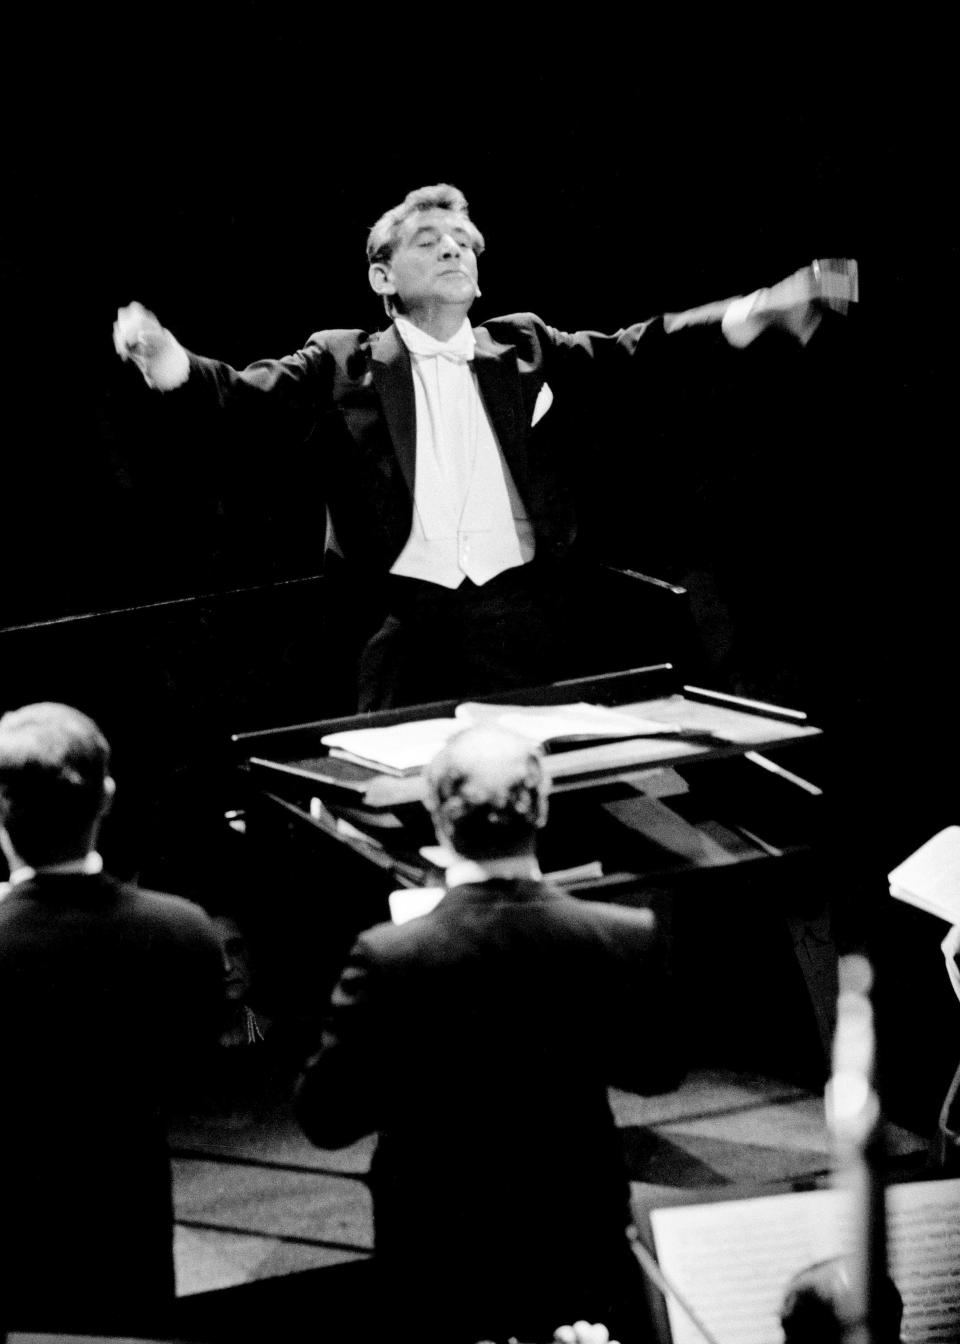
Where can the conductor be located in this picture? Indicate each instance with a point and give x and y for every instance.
(446, 499)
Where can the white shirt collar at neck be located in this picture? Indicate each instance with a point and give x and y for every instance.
(460, 347)
(464, 872)
(88, 866)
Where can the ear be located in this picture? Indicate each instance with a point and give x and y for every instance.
(440, 829)
(379, 277)
(542, 810)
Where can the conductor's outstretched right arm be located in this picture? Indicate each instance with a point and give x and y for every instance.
(139, 336)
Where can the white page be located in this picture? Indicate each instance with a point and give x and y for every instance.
(543, 723)
(930, 877)
(732, 1260)
(403, 746)
(410, 902)
(412, 743)
(923, 1228)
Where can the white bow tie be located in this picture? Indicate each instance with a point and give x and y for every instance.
(459, 349)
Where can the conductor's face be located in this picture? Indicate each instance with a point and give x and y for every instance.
(434, 264)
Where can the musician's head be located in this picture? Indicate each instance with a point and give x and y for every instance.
(486, 791)
(819, 1305)
(423, 253)
(235, 957)
(55, 784)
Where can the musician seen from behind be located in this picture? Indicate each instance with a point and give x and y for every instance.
(110, 996)
(478, 1041)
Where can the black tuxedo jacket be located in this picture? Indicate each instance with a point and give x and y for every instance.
(479, 1042)
(349, 395)
(107, 992)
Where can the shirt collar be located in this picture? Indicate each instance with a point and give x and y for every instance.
(468, 872)
(88, 866)
(460, 348)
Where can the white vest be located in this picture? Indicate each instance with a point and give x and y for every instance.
(468, 518)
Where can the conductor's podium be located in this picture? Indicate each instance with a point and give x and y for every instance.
(705, 823)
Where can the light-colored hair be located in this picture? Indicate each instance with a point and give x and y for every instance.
(486, 791)
(383, 238)
(53, 764)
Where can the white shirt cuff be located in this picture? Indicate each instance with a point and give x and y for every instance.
(737, 324)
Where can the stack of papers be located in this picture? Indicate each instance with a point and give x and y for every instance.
(399, 748)
(402, 748)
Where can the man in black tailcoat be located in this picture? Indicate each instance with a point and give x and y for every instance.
(479, 1041)
(108, 994)
(444, 453)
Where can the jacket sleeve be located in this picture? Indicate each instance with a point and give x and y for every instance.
(336, 1099)
(642, 350)
(289, 395)
(628, 387)
(186, 965)
(648, 1040)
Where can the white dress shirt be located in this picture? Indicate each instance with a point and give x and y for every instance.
(468, 519)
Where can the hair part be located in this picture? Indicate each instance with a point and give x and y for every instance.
(54, 763)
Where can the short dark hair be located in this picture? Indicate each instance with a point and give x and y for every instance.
(383, 238)
(53, 764)
(486, 813)
(818, 1301)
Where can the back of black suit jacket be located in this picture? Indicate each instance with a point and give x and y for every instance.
(107, 992)
(479, 1041)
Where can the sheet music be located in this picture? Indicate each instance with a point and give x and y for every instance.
(923, 1222)
(930, 877)
(732, 1260)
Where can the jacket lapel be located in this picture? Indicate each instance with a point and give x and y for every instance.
(498, 378)
(393, 380)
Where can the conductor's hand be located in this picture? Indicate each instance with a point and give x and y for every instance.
(139, 336)
(797, 302)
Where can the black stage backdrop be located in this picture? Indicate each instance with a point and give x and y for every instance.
(224, 171)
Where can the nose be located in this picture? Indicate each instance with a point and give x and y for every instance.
(449, 247)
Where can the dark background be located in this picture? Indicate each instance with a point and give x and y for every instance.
(224, 166)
